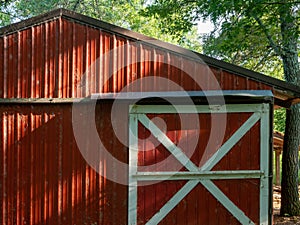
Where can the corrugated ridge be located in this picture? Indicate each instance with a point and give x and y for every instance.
(64, 59)
(44, 179)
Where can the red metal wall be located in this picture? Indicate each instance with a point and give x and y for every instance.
(49, 60)
(45, 180)
(43, 177)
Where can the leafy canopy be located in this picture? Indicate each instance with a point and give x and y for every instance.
(124, 13)
(246, 33)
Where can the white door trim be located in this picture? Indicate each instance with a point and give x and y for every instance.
(202, 175)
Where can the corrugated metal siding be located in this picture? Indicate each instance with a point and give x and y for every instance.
(49, 60)
(199, 206)
(45, 180)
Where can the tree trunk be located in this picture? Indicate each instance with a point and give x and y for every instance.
(290, 204)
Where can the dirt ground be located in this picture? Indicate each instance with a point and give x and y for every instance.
(278, 220)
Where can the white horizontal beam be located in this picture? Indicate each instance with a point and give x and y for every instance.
(207, 175)
(162, 109)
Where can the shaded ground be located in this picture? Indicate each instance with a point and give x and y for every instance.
(278, 220)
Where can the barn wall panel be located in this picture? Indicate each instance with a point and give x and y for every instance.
(64, 59)
(44, 178)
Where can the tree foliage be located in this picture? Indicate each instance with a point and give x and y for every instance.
(240, 27)
(5, 16)
(124, 13)
(279, 120)
(258, 34)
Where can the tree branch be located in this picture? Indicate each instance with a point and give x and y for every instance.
(272, 43)
(262, 60)
(76, 5)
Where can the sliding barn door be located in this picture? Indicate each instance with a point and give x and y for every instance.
(183, 170)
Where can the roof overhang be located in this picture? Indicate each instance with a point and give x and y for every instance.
(183, 97)
(285, 98)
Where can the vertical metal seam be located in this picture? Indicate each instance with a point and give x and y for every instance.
(5, 54)
(19, 80)
(60, 50)
(4, 202)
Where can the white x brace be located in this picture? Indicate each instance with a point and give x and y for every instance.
(196, 175)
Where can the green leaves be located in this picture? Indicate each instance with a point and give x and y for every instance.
(248, 33)
(279, 120)
(130, 14)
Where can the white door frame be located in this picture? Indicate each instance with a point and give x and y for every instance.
(196, 175)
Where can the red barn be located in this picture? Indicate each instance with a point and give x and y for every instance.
(102, 125)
